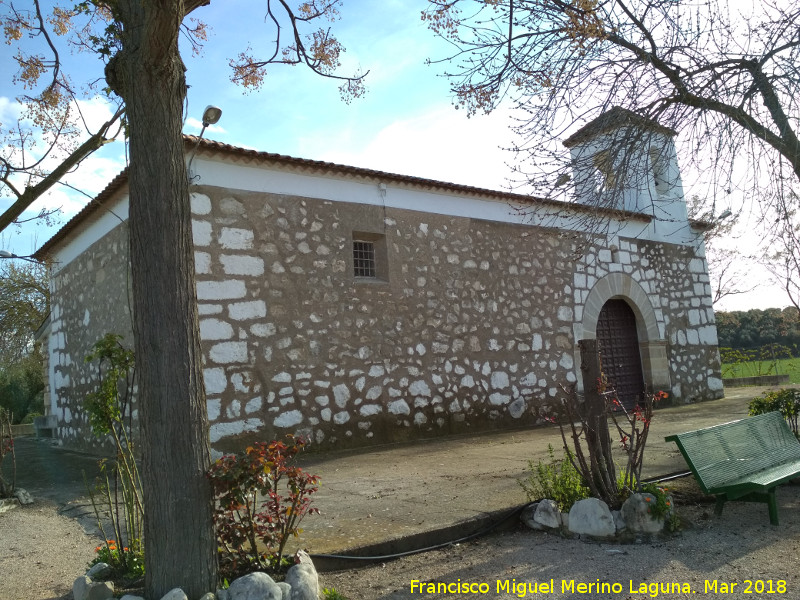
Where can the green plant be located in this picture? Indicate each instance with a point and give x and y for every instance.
(332, 594)
(589, 437)
(673, 522)
(785, 401)
(556, 480)
(662, 506)
(119, 489)
(110, 554)
(261, 497)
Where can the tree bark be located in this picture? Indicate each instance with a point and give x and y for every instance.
(598, 438)
(180, 548)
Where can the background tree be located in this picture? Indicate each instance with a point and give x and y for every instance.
(753, 329)
(724, 76)
(24, 305)
(138, 40)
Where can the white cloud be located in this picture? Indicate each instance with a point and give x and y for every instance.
(95, 112)
(441, 144)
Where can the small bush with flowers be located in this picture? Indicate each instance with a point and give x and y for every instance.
(260, 499)
(125, 563)
(117, 495)
(662, 505)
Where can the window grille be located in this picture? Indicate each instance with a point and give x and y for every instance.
(364, 259)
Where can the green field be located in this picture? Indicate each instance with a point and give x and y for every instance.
(790, 366)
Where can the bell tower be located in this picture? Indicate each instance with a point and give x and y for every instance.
(627, 162)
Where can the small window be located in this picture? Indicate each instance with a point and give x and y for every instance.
(364, 259)
(605, 177)
(369, 257)
(658, 162)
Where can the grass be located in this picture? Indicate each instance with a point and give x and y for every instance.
(790, 366)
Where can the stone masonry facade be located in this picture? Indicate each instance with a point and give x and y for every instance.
(470, 324)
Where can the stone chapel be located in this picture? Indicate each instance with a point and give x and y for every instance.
(359, 307)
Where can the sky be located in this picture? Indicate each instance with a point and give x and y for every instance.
(406, 123)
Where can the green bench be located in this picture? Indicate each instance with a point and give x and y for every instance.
(743, 460)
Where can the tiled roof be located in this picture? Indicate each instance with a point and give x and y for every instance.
(613, 119)
(211, 147)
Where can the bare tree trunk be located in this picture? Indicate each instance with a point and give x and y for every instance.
(180, 549)
(598, 438)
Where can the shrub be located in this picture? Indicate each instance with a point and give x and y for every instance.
(118, 493)
(110, 554)
(556, 480)
(662, 506)
(786, 401)
(260, 497)
(588, 434)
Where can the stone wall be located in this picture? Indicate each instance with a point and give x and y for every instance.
(461, 332)
(675, 283)
(470, 325)
(90, 298)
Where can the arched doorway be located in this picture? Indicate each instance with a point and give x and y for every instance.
(618, 346)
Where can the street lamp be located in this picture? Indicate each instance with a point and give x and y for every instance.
(7, 254)
(211, 115)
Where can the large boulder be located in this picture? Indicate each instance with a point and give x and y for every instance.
(527, 516)
(636, 513)
(175, 594)
(255, 586)
(85, 589)
(303, 578)
(547, 514)
(591, 517)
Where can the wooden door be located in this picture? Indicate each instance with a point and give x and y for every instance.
(618, 346)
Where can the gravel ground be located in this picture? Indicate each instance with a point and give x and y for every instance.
(741, 545)
(41, 552)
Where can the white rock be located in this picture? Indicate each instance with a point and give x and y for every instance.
(175, 594)
(547, 514)
(286, 589)
(527, 517)
(500, 380)
(399, 407)
(23, 496)
(255, 586)
(289, 419)
(233, 238)
(80, 587)
(303, 578)
(100, 590)
(99, 571)
(591, 517)
(636, 514)
(200, 203)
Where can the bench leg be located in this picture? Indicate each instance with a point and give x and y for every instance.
(720, 503)
(772, 502)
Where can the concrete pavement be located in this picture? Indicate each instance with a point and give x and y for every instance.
(391, 497)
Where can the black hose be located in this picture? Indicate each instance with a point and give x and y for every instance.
(511, 513)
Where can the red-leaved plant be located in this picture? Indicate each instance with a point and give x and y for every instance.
(260, 499)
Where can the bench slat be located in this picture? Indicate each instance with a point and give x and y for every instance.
(745, 458)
